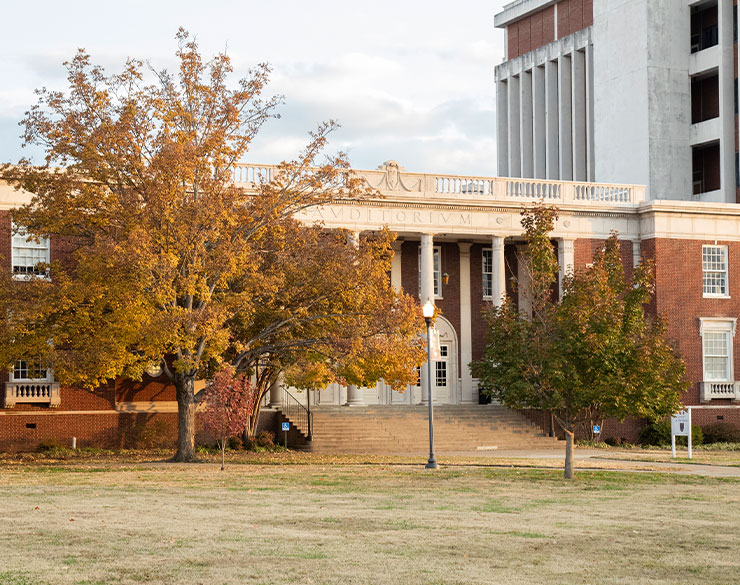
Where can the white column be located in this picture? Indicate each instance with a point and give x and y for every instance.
(566, 259)
(396, 266)
(499, 270)
(552, 115)
(354, 396)
(276, 392)
(353, 238)
(523, 280)
(539, 133)
(525, 128)
(515, 154)
(636, 253)
(565, 74)
(426, 293)
(466, 334)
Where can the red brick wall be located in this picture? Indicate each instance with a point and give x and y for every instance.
(679, 299)
(149, 389)
(531, 32)
(574, 15)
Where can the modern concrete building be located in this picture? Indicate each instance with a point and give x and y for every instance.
(621, 91)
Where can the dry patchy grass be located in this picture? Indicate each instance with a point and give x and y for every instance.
(337, 520)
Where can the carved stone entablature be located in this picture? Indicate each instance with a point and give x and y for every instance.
(391, 178)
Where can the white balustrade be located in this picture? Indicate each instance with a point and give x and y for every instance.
(32, 393)
(719, 390)
(479, 188)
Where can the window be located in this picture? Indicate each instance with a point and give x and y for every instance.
(487, 273)
(30, 370)
(437, 272)
(27, 255)
(716, 336)
(440, 368)
(714, 271)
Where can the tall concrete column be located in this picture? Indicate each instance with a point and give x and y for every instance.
(552, 128)
(565, 73)
(276, 392)
(466, 334)
(426, 294)
(539, 133)
(579, 116)
(566, 259)
(590, 174)
(515, 153)
(354, 396)
(502, 127)
(498, 278)
(396, 266)
(526, 126)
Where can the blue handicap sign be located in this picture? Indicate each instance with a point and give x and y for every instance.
(286, 426)
(597, 429)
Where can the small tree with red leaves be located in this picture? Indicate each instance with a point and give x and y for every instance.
(230, 401)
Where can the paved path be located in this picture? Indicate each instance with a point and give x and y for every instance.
(596, 456)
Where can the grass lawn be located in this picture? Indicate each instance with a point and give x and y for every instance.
(119, 520)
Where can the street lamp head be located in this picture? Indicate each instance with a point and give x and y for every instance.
(428, 310)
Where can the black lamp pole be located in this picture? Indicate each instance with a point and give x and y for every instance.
(432, 463)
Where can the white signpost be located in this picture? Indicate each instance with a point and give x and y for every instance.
(680, 427)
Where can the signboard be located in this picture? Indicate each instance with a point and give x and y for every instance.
(681, 424)
(435, 349)
(597, 429)
(681, 427)
(286, 426)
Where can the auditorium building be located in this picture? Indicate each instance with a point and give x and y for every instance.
(621, 114)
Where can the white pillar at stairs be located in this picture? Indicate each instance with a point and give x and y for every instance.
(276, 392)
(354, 396)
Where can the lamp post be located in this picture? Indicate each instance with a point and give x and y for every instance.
(428, 311)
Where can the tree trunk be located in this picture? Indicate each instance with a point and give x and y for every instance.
(223, 452)
(568, 472)
(185, 387)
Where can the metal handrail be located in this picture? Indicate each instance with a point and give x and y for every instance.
(299, 414)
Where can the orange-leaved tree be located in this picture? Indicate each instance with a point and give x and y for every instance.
(173, 264)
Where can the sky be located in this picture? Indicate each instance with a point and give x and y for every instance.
(409, 80)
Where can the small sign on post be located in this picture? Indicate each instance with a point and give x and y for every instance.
(286, 428)
(681, 427)
(597, 429)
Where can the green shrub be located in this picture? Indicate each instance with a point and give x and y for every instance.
(50, 445)
(234, 443)
(721, 433)
(659, 433)
(154, 434)
(265, 439)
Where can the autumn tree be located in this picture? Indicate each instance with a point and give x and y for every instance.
(230, 399)
(595, 354)
(171, 262)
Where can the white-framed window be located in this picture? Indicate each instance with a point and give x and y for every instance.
(716, 342)
(437, 272)
(487, 273)
(26, 255)
(30, 370)
(714, 271)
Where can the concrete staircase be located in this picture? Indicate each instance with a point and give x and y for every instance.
(404, 430)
